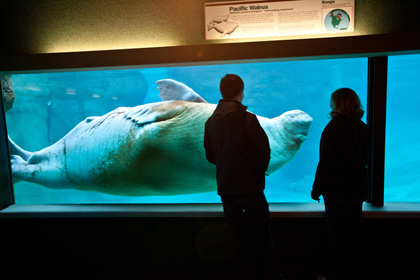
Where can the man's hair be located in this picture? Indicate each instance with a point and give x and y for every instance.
(231, 86)
(347, 104)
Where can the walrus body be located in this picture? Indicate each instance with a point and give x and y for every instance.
(151, 149)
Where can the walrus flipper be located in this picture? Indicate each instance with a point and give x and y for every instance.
(16, 150)
(156, 112)
(174, 90)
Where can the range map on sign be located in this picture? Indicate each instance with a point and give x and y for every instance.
(337, 19)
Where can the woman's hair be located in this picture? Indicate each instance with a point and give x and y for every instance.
(231, 86)
(347, 104)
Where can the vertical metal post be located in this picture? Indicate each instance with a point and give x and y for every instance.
(376, 119)
(6, 191)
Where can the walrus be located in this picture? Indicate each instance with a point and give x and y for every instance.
(153, 149)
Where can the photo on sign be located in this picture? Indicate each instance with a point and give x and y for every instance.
(222, 25)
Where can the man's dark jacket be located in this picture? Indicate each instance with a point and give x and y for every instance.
(237, 144)
(343, 157)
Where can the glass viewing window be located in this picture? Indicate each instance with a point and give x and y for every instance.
(48, 106)
(402, 148)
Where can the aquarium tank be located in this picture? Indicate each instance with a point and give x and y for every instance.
(402, 148)
(51, 108)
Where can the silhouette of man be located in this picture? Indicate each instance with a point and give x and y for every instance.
(237, 144)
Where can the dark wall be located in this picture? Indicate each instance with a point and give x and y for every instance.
(33, 26)
(188, 248)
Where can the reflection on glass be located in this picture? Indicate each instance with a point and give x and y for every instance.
(47, 106)
(402, 148)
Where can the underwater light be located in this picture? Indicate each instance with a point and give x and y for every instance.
(33, 88)
(71, 91)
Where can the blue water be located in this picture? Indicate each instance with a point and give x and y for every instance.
(47, 106)
(402, 150)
